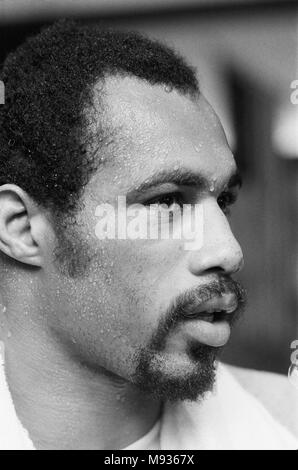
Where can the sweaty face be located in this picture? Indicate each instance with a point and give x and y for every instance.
(149, 310)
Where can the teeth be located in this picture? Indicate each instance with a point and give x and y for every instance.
(226, 304)
(207, 317)
(231, 309)
(222, 310)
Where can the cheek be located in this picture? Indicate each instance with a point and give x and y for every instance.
(127, 291)
(115, 307)
(137, 277)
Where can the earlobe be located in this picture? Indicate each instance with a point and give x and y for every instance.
(18, 219)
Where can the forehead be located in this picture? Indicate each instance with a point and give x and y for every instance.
(157, 128)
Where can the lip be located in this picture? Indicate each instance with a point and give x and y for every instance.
(215, 334)
(217, 308)
(209, 322)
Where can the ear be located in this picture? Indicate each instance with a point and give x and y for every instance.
(22, 225)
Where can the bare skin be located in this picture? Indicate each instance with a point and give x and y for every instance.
(70, 342)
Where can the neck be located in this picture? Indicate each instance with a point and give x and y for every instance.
(64, 405)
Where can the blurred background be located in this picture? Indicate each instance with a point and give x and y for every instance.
(246, 53)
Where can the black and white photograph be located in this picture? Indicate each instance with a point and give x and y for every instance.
(148, 227)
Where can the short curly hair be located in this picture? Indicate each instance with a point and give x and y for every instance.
(48, 84)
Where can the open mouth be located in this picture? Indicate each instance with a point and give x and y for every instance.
(216, 309)
(213, 317)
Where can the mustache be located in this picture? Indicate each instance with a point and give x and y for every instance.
(188, 302)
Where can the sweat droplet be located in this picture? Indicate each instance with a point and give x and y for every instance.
(168, 88)
(212, 186)
(293, 375)
(9, 335)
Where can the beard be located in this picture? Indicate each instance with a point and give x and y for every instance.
(159, 379)
(150, 377)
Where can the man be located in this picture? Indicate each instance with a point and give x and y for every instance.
(112, 342)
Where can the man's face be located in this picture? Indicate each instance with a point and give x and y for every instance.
(132, 311)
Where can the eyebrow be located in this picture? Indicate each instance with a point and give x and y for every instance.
(182, 177)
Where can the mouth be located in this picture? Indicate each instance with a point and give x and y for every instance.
(217, 309)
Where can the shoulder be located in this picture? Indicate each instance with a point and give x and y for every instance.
(273, 391)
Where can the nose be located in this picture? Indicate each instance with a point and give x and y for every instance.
(220, 250)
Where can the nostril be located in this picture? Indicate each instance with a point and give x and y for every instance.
(215, 270)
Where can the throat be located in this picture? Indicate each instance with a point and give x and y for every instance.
(65, 406)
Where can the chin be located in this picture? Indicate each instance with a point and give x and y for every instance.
(180, 378)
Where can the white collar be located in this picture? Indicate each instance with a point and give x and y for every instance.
(13, 436)
(228, 419)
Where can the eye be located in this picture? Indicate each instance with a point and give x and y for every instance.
(167, 199)
(225, 200)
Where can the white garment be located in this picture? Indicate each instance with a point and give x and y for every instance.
(12, 434)
(228, 419)
(151, 441)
